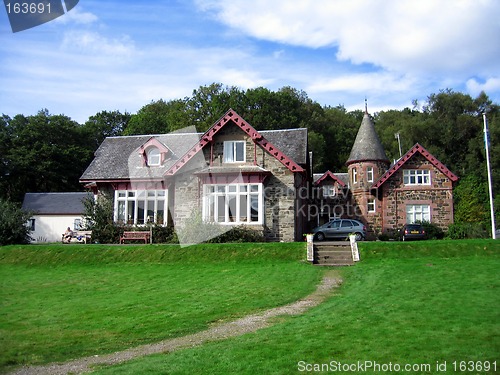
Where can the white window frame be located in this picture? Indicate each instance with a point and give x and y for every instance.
(127, 206)
(418, 212)
(231, 151)
(371, 205)
(369, 174)
(216, 196)
(154, 157)
(354, 176)
(415, 177)
(329, 191)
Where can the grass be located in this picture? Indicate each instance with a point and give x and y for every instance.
(419, 303)
(60, 302)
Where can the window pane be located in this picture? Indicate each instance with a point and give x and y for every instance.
(161, 193)
(151, 193)
(131, 212)
(228, 152)
(121, 194)
(243, 188)
(221, 189)
(121, 211)
(131, 193)
(240, 151)
(140, 212)
(254, 207)
(232, 207)
(151, 211)
(160, 212)
(232, 188)
(221, 209)
(254, 188)
(243, 208)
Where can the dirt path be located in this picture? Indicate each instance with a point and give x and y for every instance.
(222, 331)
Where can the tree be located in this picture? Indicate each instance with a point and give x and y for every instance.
(46, 153)
(13, 228)
(98, 217)
(159, 117)
(106, 124)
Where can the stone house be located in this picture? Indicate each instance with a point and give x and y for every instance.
(417, 187)
(231, 175)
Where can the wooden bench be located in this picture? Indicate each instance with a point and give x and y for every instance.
(81, 236)
(137, 235)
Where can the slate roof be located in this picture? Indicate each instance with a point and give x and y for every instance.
(341, 178)
(55, 203)
(119, 158)
(367, 146)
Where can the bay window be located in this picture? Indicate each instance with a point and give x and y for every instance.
(140, 206)
(233, 203)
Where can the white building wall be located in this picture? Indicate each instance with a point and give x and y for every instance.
(49, 228)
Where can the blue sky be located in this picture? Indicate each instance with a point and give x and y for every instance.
(121, 55)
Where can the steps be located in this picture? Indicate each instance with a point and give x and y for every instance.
(333, 253)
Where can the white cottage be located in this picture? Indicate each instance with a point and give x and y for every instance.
(53, 213)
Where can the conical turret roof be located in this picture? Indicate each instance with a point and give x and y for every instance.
(367, 146)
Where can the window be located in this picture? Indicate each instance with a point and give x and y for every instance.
(371, 205)
(31, 224)
(154, 157)
(418, 212)
(417, 177)
(234, 151)
(328, 191)
(233, 204)
(346, 224)
(354, 176)
(141, 206)
(77, 224)
(369, 174)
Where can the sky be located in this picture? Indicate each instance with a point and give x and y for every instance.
(121, 55)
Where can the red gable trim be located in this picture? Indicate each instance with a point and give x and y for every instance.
(426, 154)
(332, 176)
(232, 116)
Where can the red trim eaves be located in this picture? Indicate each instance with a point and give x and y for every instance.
(232, 116)
(417, 148)
(332, 176)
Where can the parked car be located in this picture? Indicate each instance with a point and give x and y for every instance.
(412, 232)
(340, 229)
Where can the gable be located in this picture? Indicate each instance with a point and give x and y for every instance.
(328, 175)
(231, 117)
(416, 149)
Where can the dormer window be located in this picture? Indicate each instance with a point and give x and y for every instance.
(154, 156)
(234, 151)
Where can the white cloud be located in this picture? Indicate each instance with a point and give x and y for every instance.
(77, 16)
(90, 42)
(424, 36)
(491, 84)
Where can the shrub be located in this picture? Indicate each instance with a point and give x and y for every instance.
(241, 233)
(98, 215)
(459, 231)
(13, 228)
(433, 231)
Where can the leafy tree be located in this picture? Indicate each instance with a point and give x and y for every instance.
(159, 117)
(98, 217)
(471, 200)
(13, 228)
(106, 124)
(46, 153)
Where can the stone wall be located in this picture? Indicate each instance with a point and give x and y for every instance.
(438, 195)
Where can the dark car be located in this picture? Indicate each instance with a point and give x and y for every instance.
(340, 229)
(412, 232)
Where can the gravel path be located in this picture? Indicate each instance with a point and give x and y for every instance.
(222, 331)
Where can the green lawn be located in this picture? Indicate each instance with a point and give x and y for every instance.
(417, 304)
(60, 302)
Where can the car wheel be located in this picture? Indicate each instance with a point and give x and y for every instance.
(320, 236)
(359, 237)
